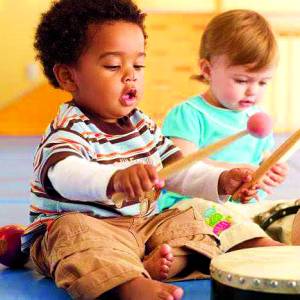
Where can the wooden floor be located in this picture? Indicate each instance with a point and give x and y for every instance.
(16, 156)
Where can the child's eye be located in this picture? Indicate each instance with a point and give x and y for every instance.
(139, 67)
(263, 83)
(112, 67)
(241, 81)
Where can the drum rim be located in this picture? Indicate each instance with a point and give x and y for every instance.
(256, 284)
(250, 283)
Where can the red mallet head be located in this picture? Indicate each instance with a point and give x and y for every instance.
(259, 125)
(10, 246)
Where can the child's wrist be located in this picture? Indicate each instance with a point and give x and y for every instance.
(110, 190)
(221, 185)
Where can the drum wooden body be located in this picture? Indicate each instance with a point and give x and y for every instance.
(257, 273)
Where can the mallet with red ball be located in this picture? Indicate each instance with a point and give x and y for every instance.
(281, 154)
(259, 125)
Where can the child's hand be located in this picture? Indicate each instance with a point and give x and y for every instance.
(134, 181)
(274, 177)
(231, 180)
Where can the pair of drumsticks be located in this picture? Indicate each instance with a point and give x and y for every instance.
(259, 125)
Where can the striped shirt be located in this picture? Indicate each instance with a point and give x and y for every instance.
(74, 131)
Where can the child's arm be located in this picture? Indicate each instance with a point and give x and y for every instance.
(209, 182)
(78, 179)
(185, 146)
(273, 178)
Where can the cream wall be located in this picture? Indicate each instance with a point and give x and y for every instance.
(286, 6)
(274, 6)
(18, 73)
(285, 15)
(177, 5)
(171, 59)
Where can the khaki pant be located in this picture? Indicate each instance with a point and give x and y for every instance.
(230, 225)
(276, 217)
(89, 256)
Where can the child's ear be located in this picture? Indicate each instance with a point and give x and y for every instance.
(64, 76)
(205, 68)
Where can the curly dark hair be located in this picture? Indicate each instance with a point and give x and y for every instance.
(61, 36)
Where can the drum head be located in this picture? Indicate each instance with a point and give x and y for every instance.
(266, 270)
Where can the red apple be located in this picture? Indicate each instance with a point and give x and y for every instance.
(10, 246)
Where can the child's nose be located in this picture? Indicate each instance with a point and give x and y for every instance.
(129, 76)
(251, 90)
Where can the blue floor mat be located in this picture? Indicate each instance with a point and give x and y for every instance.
(25, 284)
(196, 289)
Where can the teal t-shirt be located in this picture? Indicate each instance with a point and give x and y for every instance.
(201, 123)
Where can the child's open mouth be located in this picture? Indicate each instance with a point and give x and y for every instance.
(129, 98)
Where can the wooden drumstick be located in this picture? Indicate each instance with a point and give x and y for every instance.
(279, 155)
(259, 125)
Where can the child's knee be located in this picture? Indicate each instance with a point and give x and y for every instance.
(182, 226)
(64, 233)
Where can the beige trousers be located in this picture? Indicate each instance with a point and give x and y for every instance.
(89, 256)
(276, 217)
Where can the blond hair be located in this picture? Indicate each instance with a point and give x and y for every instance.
(244, 36)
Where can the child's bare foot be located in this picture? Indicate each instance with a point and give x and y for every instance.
(158, 262)
(148, 289)
(257, 242)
